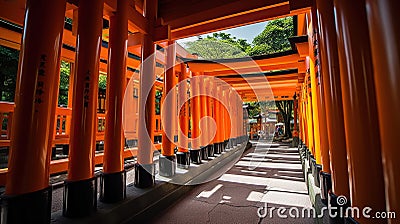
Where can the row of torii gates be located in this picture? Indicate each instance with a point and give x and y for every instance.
(343, 74)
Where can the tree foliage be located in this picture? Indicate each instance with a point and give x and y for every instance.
(102, 81)
(274, 38)
(219, 45)
(8, 73)
(260, 107)
(254, 109)
(65, 72)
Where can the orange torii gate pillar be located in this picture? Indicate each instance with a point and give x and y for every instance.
(195, 105)
(80, 188)
(231, 101)
(226, 117)
(145, 167)
(360, 109)
(182, 156)
(218, 108)
(113, 178)
(167, 159)
(209, 92)
(204, 110)
(384, 30)
(336, 182)
(28, 195)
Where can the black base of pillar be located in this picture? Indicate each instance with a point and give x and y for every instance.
(167, 165)
(204, 153)
(350, 220)
(230, 143)
(80, 197)
(333, 201)
(145, 175)
(210, 149)
(316, 171)
(311, 164)
(295, 142)
(183, 159)
(113, 187)
(34, 207)
(195, 156)
(326, 186)
(217, 148)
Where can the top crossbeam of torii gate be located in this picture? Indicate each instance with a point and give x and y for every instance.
(180, 18)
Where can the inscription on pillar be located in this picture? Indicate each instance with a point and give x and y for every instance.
(316, 56)
(40, 84)
(86, 90)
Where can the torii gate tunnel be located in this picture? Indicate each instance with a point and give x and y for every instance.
(343, 74)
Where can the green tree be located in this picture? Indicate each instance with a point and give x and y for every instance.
(219, 45)
(65, 72)
(102, 81)
(274, 38)
(254, 109)
(158, 102)
(8, 73)
(286, 109)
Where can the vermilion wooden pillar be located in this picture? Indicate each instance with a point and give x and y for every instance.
(323, 162)
(233, 117)
(167, 160)
(360, 108)
(309, 115)
(227, 119)
(240, 121)
(113, 178)
(384, 30)
(145, 168)
(304, 112)
(195, 105)
(203, 114)
(303, 134)
(333, 98)
(222, 112)
(80, 189)
(314, 94)
(28, 195)
(218, 140)
(295, 115)
(209, 92)
(182, 156)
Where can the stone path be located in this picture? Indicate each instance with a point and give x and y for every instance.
(269, 175)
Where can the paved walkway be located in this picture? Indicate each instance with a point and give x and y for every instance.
(266, 175)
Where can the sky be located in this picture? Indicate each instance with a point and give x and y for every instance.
(244, 32)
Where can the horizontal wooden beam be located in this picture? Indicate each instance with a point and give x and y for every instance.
(242, 63)
(231, 22)
(13, 11)
(226, 71)
(137, 21)
(278, 78)
(187, 13)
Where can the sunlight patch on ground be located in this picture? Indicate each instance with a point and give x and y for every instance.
(270, 183)
(287, 198)
(270, 165)
(207, 194)
(255, 196)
